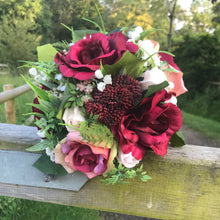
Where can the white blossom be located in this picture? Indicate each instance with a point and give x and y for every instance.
(172, 100)
(135, 34)
(61, 88)
(88, 88)
(50, 153)
(58, 76)
(98, 74)
(148, 49)
(33, 71)
(41, 133)
(107, 79)
(127, 159)
(154, 76)
(101, 86)
(72, 116)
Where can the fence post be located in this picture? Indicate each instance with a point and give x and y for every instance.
(9, 106)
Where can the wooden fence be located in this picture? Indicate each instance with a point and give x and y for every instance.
(185, 183)
(7, 97)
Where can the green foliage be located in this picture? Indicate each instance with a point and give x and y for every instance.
(33, 210)
(96, 133)
(199, 59)
(154, 88)
(120, 173)
(17, 42)
(177, 139)
(8, 207)
(126, 64)
(45, 165)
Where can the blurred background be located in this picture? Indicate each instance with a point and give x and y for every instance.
(191, 31)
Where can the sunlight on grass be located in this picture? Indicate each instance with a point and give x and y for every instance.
(204, 126)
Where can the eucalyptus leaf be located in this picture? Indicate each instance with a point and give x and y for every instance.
(45, 165)
(177, 139)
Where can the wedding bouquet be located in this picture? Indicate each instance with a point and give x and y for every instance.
(103, 101)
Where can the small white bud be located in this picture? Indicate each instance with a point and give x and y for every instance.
(108, 79)
(33, 71)
(101, 86)
(98, 74)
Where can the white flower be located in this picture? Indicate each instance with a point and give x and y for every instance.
(33, 71)
(154, 76)
(58, 76)
(108, 79)
(101, 86)
(135, 34)
(148, 49)
(61, 88)
(41, 133)
(127, 159)
(50, 153)
(72, 116)
(98, 74)
(71, 44)
(172, 100)
(88, 88)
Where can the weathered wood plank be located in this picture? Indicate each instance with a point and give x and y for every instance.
(185, 185)
(25, 174)
(11, 94)
(17, 137)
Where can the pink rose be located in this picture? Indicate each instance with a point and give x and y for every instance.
(175, 77)
(150, 124)
(84, 57)
(74, 154)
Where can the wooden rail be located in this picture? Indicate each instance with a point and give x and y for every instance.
(185, 183)
(7, 97)
(11, 94)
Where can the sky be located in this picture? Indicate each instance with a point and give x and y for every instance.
(184, 3)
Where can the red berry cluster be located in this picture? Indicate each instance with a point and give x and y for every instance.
(116, 99)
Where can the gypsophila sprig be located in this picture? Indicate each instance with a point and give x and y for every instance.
(102, 100)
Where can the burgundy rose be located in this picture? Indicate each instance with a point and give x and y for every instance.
(150, 124)
(84, 57)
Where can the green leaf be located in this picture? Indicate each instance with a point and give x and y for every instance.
(45, 165)
(40, 92)
(46, 53)
(177, 139)
(79, 34)
(40, 146)
(130, 62)
(155, 88)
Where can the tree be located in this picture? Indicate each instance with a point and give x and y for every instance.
(71, 13)
(171, 6)
(123, 13)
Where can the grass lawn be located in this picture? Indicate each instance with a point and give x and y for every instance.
(20, 209)
(204, 126)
